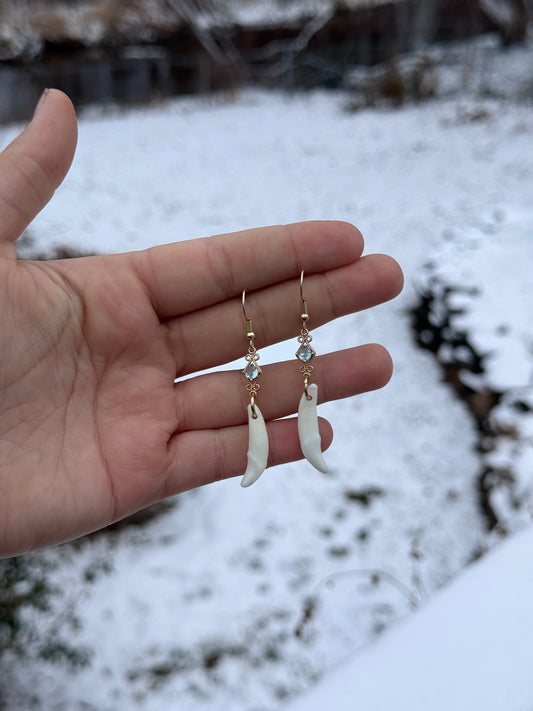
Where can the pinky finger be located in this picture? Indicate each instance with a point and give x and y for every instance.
(203, 456)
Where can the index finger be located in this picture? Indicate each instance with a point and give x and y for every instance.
(186, 276)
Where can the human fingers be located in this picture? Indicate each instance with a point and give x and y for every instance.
(187, 276)
(35, 163)
(219, 399)
(202, 456)
(216, 335)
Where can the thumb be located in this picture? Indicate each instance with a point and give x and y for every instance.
(35, 163)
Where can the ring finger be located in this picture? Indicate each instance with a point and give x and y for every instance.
(219, 399)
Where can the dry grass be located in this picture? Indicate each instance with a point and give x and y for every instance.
(55, 20)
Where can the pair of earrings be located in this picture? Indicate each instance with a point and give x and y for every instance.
(307, 415)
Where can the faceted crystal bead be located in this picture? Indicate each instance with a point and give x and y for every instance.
(305, 353)
(252, 371)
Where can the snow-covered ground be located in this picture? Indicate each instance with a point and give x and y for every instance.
(242, 599)
(467, 650)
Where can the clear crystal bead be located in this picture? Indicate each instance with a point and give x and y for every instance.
(252, 371)
(305, 353)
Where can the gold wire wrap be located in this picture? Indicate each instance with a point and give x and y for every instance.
(305, 339)
(252, 357)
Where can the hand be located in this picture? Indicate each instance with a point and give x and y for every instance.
(92, 424)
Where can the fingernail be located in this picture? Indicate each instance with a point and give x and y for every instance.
(41, 102)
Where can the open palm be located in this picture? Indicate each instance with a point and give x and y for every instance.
(93, 425)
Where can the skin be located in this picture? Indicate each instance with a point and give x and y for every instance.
(92, 425)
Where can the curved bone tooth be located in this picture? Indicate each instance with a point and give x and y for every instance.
(308, 430)
(257, 447)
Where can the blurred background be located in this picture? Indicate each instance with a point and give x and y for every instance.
(411, 119)
(102, 51)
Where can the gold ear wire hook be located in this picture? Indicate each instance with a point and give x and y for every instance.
(249, 330)
(303, 306)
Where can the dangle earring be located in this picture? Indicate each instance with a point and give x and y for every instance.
(307, 416)
(257, 433)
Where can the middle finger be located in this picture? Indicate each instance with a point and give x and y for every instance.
(216, 335)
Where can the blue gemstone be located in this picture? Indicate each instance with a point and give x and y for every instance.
(251, 371)
(305, 353)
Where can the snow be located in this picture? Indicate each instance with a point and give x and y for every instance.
(502, 330)
(266, 13)
(242, 599)
(466, 650)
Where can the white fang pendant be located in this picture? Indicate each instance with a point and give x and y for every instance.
(257, 447)
(308, 430)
